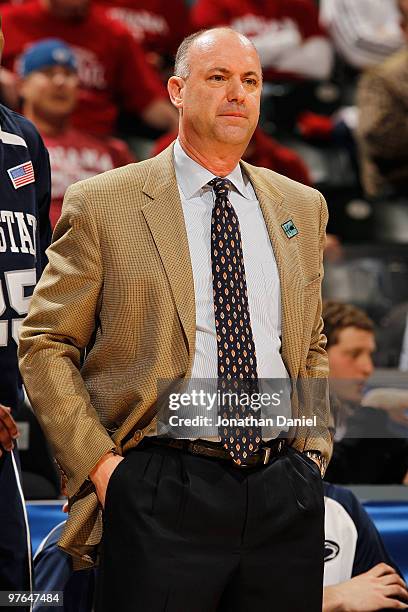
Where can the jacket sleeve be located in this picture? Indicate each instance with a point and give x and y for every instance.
(317, 364)
(314, 391)
(59, 326)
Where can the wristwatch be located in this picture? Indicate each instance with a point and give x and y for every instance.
(316, 455)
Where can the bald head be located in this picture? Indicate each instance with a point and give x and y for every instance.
(202, 40)
(217, 90)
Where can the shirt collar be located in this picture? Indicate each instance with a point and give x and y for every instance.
(192, 178)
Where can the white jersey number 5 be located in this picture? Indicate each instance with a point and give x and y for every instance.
(16, 282)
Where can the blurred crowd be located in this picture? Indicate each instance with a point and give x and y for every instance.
(333, 112)
(91, 75)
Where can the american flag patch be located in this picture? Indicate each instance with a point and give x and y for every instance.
(22, 175)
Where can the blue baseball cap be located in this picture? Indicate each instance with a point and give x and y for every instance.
(44, 54)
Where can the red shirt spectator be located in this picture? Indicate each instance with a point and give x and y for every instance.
(159, 26)
(262, 151)
(49, 92)
(75, 156)
(111, 65)
(286, 33)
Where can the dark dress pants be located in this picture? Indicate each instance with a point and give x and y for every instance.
(186, 533)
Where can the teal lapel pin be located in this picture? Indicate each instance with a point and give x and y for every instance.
(290, 228)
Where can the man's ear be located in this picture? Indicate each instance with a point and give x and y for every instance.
(175, 87)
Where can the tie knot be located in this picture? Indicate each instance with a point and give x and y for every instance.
(221, 186)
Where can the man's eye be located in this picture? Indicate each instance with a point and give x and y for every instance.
(251, 82)
(217, 77)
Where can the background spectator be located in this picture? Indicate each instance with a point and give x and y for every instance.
(359, 575)
(365, 32)
(286, 33)
(366, 449)
(157, 25)
(112, 68)
(49, 90)
(382, 128)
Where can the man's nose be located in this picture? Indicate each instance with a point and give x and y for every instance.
(366, 365)
(59, 78)
(236, 90)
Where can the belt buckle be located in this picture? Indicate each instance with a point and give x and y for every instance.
(266, 455)
(266, 451)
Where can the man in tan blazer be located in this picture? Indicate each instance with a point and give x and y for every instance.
(123, 304)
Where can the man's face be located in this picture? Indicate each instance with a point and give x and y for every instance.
(350, 361)
(51, 93)
(221, 96)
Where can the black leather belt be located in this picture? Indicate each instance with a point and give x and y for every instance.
(215, 451)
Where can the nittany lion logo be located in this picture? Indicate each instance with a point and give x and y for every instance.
(331, 550)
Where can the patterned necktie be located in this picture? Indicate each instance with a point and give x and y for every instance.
(236, 347)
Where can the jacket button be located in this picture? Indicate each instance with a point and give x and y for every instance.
(137, 435)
